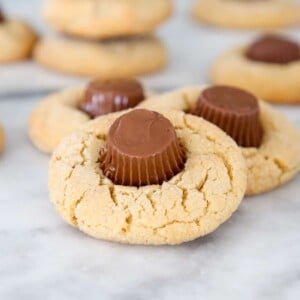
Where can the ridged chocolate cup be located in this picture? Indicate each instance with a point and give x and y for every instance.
(142, 148)
(273, 49)
(233, 110)
(107, 96)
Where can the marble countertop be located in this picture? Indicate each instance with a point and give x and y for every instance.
(255, 255)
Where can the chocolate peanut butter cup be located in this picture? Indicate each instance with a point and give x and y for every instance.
(233, 110)
(107, 96)
(273, 49)
(142, 149)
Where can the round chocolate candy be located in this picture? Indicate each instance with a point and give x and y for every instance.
(233, 110)
(107, 96)
(273, 49)
(142, 149)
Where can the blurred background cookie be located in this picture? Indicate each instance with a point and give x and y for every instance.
(106, 18)
(108, 39)
(106, 59)
(247, 13)
(269, 68)
(17, 39)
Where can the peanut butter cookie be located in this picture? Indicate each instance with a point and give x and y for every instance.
(247, 13)
(61, 113)
(107, 59)
(269, 68)
(16, 39)
(272, 155)
(139, 177)
(106, 18)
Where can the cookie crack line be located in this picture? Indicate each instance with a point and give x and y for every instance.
(66, 181)
(152, 203)
(68, 178)
(113, 196)
(76, 204)
(185, 194)
(283, 170)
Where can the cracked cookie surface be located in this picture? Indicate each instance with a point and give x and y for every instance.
(57, 116)
(190, 205)
(247, 14)
(274, 163)
(106, 18)
(16, 40)
(115, 58)
(272, 82)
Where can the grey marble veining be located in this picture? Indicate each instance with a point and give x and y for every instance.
(255, 255)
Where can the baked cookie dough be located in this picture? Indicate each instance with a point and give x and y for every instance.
(107, 59)
(191, 204)
(16, 40)
(275, 162)
(60, 114)
(106, 18)
(1, 139)
(271, 71)
(247, 13)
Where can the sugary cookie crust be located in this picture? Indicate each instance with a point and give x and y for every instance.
(107, 59)
(192, 204)
(57, 116)
(247, 14)
(16, 40)
(106, 18)
(273, 164)
(272, 82)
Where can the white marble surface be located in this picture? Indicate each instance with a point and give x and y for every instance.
(255, 255)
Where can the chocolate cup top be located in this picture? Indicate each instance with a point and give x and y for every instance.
(233, 110)
(107, 96)
(274, 50)
(142, 148)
